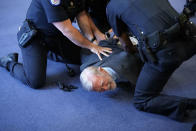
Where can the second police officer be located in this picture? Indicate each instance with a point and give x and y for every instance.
(166, 40)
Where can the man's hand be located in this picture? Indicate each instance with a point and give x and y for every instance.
(100, 50)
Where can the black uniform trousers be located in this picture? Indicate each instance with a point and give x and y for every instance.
(33, 70)
(153, 77)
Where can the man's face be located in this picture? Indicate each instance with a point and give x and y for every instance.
(103, 82)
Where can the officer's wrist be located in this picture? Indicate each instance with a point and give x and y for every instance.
(93, 39)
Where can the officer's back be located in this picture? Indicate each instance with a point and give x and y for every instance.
(144, 16)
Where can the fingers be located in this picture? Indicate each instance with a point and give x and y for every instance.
(109, 50)
(104, 53)
(99, 56)
(101, 37)
(101, 50)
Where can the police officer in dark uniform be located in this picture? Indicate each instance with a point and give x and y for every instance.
(166, 40)
(49, 28)
(97, 11)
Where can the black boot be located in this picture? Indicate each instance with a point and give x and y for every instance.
(12, 57)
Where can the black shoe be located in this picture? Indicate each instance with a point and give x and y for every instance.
(9, 58)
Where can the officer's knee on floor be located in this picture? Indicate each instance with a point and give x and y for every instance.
(36, 85)
(139, 106)
(35, 81)
(139, 103)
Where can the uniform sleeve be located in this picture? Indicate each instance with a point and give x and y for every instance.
(84, 5)
(54, 13)
(115, 22)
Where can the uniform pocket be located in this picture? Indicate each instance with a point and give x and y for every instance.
(168, 58)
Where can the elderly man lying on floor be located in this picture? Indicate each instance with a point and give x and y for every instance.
(100, 76)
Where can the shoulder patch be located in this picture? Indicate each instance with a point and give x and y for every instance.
(55, 2)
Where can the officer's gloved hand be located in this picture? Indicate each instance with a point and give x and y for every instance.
(190, 7)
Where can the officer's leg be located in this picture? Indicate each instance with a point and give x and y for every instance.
(190, 47)
(147, 95)
(55, 57)
(64, 51)
(33, 70)
(190, 41)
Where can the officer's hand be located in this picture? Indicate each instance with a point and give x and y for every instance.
(100, 50)
(100, 36)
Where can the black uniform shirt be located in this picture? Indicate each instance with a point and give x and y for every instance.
(44, 12)
(97, 11)
(138, 16)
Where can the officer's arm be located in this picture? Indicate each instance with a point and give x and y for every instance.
(76, 37)
(126, 43)
(72, 33)
(88, 27)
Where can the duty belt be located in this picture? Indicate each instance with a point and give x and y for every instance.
(154, 41)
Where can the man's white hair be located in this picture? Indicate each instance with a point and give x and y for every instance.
(87, 75)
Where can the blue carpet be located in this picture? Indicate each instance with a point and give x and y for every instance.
(50, 109)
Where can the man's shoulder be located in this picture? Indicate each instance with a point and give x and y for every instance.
(89, 59)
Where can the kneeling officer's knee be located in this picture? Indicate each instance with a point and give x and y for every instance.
(139, 106)
(37, 85)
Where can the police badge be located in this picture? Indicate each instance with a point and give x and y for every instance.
(71, 4)
(55, 2)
